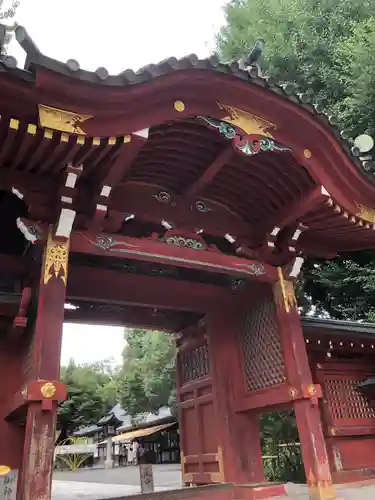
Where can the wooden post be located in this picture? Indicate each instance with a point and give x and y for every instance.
(304, 393)
(240, 453)
(44, 364)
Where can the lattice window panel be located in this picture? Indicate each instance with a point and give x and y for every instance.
(263, 356)
(194, 363)
(345, 401)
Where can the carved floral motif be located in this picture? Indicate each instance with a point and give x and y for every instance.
(183, 242)
(48, 390)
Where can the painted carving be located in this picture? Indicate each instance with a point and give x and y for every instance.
(183, 242)
(254, 269)
(56, 260)
(109, 244)
(48, 390)
(366, 213)
(249, 123)
(64, 121)
(202, 207)
(162, 196)
(247, 144)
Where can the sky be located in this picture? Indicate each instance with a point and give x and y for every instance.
(116, 34)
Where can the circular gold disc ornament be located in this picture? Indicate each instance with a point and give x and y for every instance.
(4, 470)
(179, 106)
(48, 390)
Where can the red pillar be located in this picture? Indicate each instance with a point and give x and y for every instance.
(304, 393)
(43, 372)
(238, 433)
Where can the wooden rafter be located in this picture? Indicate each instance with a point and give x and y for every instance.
(210, 172)
(127, 153)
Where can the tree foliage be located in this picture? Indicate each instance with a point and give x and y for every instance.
(91, 393)
(326, 47)
(146, 381)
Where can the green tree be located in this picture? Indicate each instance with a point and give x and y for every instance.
(325, 47)
(7, 12)
(321, 45)
(91, 393)
(146, 381)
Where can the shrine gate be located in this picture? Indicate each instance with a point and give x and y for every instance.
(184, 197)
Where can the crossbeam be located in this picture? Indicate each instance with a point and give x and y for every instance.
(161, 252)
(112, 286)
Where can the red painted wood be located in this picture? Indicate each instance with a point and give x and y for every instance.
(148, 250)
(36, 474)
(238, 433)
(110, 285)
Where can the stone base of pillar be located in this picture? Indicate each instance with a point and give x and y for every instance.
(109, 464)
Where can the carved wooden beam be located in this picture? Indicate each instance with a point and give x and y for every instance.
(181, 255)
(127, 153)
(210, 172)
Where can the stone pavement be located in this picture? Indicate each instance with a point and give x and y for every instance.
(99, 484)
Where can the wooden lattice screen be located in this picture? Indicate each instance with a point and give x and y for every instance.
(345, 401)
(194, 363)
(262, 352)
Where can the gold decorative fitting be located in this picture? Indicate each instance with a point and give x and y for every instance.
(31, 129)
(311, 390)
(56, 260)
(366, 213)
(14, 124)
(111, 141)
(287, 292)
(127, 138)
(64, 138)
(332, 431)
(48, 390)
(4, 470)
(48, 134)
(64, 121)
(96, 141)
(81, 139)
(251, 124)
(179, 106)
(307, 153)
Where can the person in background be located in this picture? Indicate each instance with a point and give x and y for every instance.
(135, 452)
(130, 455)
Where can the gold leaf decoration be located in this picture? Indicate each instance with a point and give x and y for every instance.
(251, 124)
(56, 260)
(48, 390)
(64, 121)
(366, 213)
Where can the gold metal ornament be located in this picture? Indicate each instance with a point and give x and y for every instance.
(307, 153)
(56, 260)
(287, 292)
(48, 390)
(366, 213)
(179, 106)
(249, 123)
(311, 390)
(64, 121)
(4, 470)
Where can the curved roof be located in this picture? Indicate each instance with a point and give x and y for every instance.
(205, 145)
